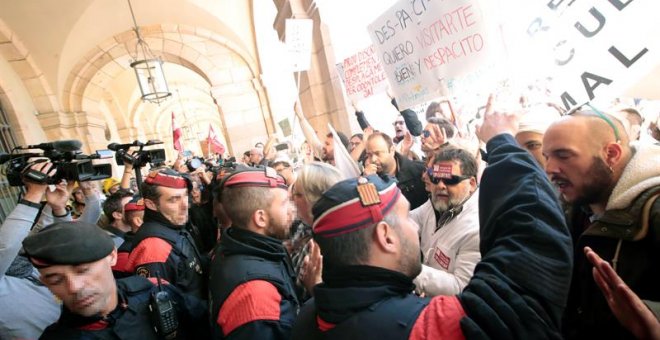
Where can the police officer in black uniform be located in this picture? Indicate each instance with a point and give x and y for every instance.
(75, 260)
(252, 281)
(162, 245)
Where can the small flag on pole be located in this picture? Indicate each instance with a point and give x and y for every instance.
(213, 142)
(176, 135)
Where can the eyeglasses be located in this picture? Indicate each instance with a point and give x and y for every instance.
(426, 133)
(398, 123)
(453, 180)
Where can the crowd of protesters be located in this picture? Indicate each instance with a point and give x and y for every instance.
(539, 224)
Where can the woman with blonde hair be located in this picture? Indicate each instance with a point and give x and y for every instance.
(312, 180)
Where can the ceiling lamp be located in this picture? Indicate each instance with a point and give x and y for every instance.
(148, 69)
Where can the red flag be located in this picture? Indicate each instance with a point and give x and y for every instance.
(176, 135)
(213, 142)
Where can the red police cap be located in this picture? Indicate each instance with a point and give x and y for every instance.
(258, 177)
(353, 204)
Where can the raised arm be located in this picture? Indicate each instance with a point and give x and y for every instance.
(520, 287)
(308, 132)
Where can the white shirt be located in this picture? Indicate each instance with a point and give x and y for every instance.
(451, 252)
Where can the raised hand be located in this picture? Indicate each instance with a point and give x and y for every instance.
(58, 197)
(312, 268)
(34, 191)
(628, 308)
(496, 122)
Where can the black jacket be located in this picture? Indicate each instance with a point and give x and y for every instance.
(243, 258)
(131, 317)
(183, 265)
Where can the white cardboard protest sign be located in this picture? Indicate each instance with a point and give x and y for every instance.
(362, 74)
(298, 36)
(427, 45)
(593, 50)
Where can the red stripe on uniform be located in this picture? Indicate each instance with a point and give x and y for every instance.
(122, 262)
(324, 326)
(251, 301)
(96, 326)
(439, 320)
(150, 250)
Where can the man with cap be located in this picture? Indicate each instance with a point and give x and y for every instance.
(252, 282)
(133, 216)
(370, 250)
(449, 224)
(74, 260)
(531, 129)
(162, 246)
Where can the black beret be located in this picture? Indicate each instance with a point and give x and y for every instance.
(68, 243)
(354, 204)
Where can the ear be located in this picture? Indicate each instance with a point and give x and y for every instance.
(117, 215)
(260, 218)
(113, 257)
(137, 220)
(386, 238)
(150, 204)
(613, 154)
(473, 184)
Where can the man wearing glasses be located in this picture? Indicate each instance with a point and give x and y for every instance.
(449, 224)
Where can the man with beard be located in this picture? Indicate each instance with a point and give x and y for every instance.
(385, 161)
(74, 260)
(370, 250)
(252, 282)
(449, 224)
(162, 246)
(612, 188)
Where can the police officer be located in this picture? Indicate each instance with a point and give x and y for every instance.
(162, 245)
(252, 280)
(74, 260)
(370, 249)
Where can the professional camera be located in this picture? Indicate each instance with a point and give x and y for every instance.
(71, 164)
(140, 157)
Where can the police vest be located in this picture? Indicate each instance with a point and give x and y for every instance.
(190, 265)
(234, 270)
(392, 318)
(133, 322)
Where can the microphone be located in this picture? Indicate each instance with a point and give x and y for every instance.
(60, 145)
(117, 146)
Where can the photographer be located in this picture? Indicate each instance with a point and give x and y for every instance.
(19, 281)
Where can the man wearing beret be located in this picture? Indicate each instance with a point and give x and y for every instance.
(252, 281)
(370, 250)
(162, 246)
(74, 260)
(133, 215)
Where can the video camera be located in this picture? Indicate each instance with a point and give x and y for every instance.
(71, 164)
(141, 157)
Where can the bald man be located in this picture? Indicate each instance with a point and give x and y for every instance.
(611, 188)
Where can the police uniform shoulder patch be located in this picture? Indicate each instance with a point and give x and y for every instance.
(142, 271)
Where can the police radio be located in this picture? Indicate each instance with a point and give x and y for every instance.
(163, 313)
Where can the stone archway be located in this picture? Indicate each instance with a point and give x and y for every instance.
(232, 74)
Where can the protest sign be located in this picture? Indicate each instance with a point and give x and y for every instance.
(362, 74)
(593, 50)
(425, 46)
(299, 42)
